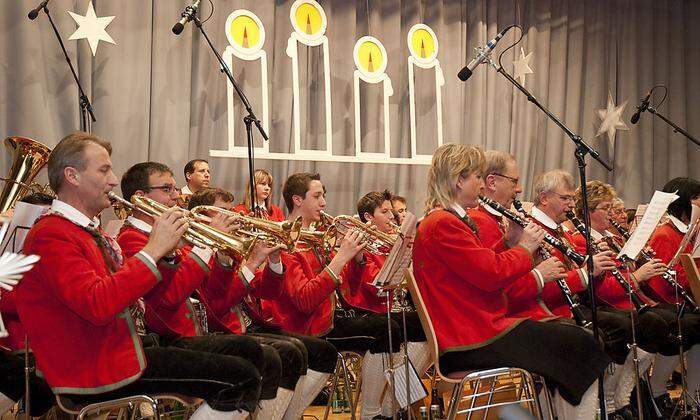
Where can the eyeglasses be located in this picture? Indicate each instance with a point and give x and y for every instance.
(168, 189)
(515, 181)
(564, 197)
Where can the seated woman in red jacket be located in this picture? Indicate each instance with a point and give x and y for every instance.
(263, 196)
(665, 240)
(461, 282)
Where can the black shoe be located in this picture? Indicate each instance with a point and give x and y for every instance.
(665, 405)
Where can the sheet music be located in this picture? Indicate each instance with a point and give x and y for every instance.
(23, 218)
(399, 258)
(418, 391)
(652, 214)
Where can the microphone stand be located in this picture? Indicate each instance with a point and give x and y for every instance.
(676, 128)
(87, 116)
(582, 149)
(248, 120)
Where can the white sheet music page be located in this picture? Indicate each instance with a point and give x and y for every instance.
(399, 258)
(23, 219)
(695, 218)
(653, 213)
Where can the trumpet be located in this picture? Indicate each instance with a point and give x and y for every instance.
(198, 234)
(375, 241)
(286, 233)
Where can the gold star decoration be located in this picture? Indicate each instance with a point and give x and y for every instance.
(611, 119)
(92, 28)
(521, 67)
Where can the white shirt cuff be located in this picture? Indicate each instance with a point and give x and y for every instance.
(539, 279)
(204, 254)
(277, 267)
(148, 257)
(247, 274)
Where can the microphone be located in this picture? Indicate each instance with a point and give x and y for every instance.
(466, 71)
(35, 12)
(187, 15)
(641, 108)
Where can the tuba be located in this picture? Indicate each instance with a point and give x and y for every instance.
(286, 233)
(29, 157)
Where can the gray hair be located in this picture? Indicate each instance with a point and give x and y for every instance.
(496, 161)
(550, 181)
(70, 152)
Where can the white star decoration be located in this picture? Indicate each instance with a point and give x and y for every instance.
(521, 67)
(611, 119)
(91, 27)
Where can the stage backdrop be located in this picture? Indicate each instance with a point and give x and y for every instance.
(161, 97)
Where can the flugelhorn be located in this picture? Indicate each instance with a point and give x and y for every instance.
(286, 233)
(375, 241)
(199, 234)
(29, 157)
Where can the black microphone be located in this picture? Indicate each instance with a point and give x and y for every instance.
(466, 71)
(187, 15)
(641, 108)
(35, 12)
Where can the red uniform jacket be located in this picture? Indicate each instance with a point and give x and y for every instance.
(462, 282)
(307, 303)
(551, 294)
(10, 318)
(360, 293)
(169, 311)
(274, 213)
(524, 295)
(224, 299)
(608, 289)
(665, 241)
(76, 312)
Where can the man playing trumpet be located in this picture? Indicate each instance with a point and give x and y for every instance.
(75, 304)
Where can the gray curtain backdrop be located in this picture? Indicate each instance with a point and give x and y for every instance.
(161, 97)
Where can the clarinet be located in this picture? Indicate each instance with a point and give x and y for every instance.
(551, 240)
(638, 303)
(624, 232)
(571, 302)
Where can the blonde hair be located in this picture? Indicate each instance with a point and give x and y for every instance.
(259, 176)
(449, 162)
(597, 193)
(550, 181)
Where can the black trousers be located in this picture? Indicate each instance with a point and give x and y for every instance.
(12, 384)
(226, 382)
(615, 330)
(365, 332)
(414, 329)
(291, 353)
(263, 356)
(690, 328)
(319, 354)
(566, 355)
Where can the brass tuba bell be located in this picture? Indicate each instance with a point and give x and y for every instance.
(29, 157)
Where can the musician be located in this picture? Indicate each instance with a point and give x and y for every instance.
(398, 205)
(665, 241)
(263, 191)
(308, 301)
(375, 209)
(169, 310)
(77, 302)
(197, 176)
(502, 184)
(466, 305)
(618, 213)
(653, 324)
(319, 356)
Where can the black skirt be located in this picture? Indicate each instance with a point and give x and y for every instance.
(566, 355)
